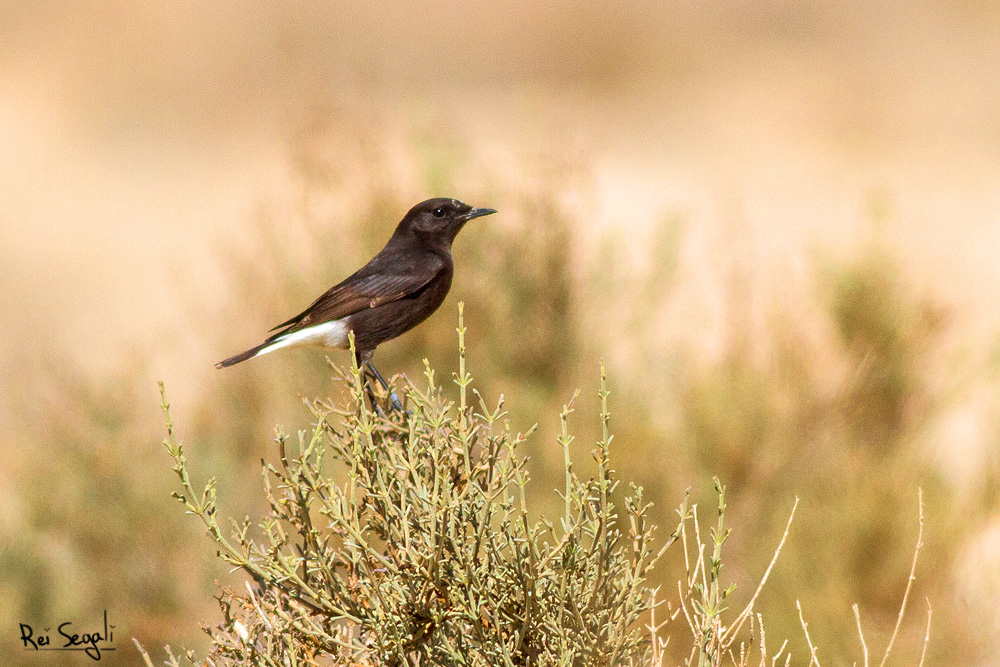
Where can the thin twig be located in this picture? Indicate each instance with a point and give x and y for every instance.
(927, 634)
(730, 634)
(805, 628)
(857, 617)
(909, 582)
(763, 641)
(774, 660)
(145, 656)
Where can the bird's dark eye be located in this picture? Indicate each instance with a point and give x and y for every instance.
(438, 212)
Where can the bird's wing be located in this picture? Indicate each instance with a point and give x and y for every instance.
(364, 289)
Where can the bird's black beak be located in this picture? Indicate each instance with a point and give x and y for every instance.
(478, 213)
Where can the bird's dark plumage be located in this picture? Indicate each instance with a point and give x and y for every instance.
(398, 289)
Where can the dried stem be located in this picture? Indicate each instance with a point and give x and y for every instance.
(912, 577)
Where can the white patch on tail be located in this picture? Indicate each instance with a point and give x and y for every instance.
(328, 334)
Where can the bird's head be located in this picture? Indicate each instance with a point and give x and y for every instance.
(440, 219)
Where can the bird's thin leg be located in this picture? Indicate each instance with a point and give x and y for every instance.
(396, 404)
(363, 360)
(376, 408)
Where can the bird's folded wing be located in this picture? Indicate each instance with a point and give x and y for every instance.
(358, 293)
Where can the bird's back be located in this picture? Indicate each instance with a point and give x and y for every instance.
(400, 270)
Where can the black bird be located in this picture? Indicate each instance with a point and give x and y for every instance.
(397, 290)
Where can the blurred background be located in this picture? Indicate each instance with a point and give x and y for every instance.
(776, 221)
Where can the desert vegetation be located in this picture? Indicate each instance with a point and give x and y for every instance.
(407, 539)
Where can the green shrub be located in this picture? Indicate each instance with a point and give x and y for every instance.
(407, 539)
(426, 552)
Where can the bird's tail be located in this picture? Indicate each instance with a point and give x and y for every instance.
(243, 356)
